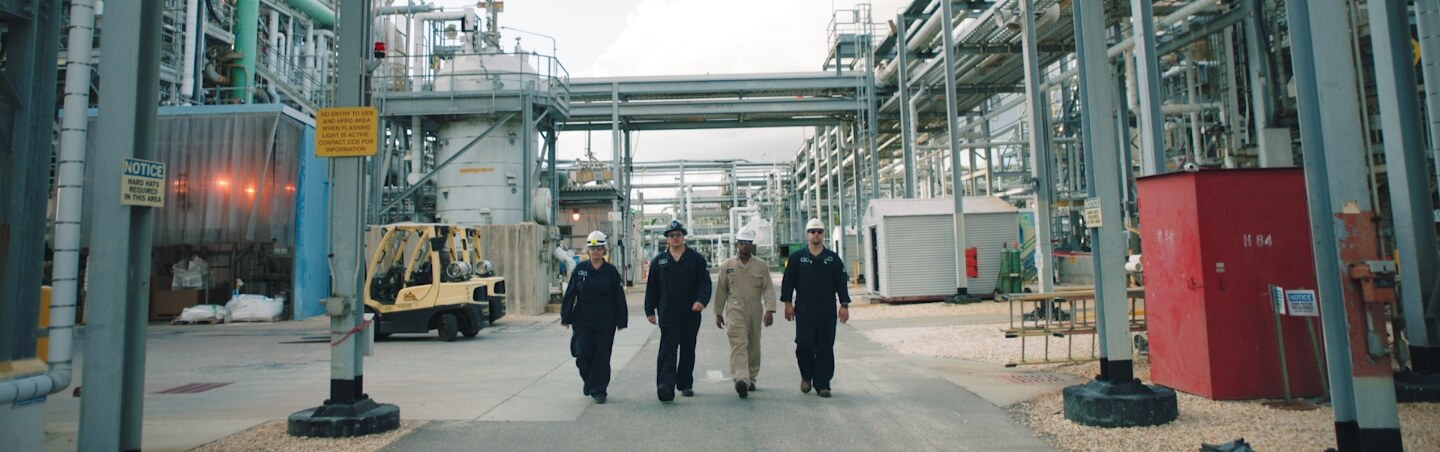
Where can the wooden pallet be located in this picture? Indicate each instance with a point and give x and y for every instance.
(177, 321)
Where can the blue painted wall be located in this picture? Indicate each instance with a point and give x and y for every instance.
(312, 272)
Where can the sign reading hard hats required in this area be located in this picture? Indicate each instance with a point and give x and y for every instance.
(346, 132)
(1092, 212)
(142, 183)
(1301, 303)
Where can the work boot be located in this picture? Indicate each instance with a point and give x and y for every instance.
(752, 386)
(805, 386)
(599, 397)
(742, 388)
(666, 393)
(687, 392)
(824, 393)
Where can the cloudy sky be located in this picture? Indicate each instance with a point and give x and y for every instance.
(602, 38)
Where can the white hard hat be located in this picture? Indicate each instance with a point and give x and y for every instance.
(746, 234)
(596, 238)
(814, 223)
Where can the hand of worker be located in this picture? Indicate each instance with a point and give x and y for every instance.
(789, 312)
(697, 307)
(651, 319)
(719, 321)
(844, 314)
(566, 325)
(769, 317)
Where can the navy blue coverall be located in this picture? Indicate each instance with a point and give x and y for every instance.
(672, 289)
(820, 280)
(594, 306)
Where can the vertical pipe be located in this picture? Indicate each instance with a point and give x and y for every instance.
(907, 147)
(527, 138)
(1102, 149)
(247, 30)
(272, 56)
(1339, 212)
(112, 409)
(1036, 117)
(187, 66)
(1147, 81)
(1193, 90)
(1409, 176)
(953, 131)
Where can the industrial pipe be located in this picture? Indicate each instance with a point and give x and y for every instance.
(70, 183)
(316, 9)
(247, 30)
(565, 257)
(188, 64)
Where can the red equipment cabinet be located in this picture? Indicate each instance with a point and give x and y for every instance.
(1213, 242)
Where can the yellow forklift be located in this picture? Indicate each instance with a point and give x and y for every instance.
(427, 277)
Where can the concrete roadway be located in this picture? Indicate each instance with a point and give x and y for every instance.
(515, 387)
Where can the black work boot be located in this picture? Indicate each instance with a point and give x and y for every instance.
(666, 393)
(742, 388)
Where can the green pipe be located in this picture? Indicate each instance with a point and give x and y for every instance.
(247, 29)
(316, 9)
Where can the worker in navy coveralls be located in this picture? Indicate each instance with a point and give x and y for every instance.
(818, 275)
(594, 304)
(678, 288)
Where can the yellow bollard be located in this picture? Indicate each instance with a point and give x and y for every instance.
(43, 345)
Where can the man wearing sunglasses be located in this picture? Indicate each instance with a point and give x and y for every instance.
(743, 294)
(677, 290)
(818, 275)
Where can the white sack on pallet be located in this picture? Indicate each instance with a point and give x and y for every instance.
(255, 308)
(204, 313)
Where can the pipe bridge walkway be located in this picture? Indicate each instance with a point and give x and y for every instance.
(656, 103)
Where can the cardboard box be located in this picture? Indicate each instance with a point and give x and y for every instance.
(166, 304)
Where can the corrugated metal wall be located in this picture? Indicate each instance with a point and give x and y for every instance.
(232, 174)
(917, 253)
(917, 256)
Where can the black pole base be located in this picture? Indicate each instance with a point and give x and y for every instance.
(1411, 386)
(1101, 403)
(962, 296)
(338, 420)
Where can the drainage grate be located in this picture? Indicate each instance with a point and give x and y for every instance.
(192, 388)
(1034, 378)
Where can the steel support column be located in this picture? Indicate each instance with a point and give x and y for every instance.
(1341, 223)
(1102, 151)
(952, 118)
(114, 374)
(1147, 79)
(348, 411)
(1036, 120)
(1410, 205)
(907, 144)
(1427, 18)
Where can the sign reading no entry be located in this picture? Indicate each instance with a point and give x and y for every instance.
(142, 183)
(346, 132)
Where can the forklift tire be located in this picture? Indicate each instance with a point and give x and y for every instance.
(448, 327)
(472, 327)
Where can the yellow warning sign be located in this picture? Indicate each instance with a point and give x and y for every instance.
(346, 132)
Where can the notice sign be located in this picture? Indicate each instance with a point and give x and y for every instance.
(1092, 213)
(1277, 299)
(142, 183)
(1301, 303)
(346, 132)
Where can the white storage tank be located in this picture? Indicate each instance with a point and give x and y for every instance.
(484, 185)
(910, 245)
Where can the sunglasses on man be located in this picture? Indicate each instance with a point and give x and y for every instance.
(816, 231)
(674, 235)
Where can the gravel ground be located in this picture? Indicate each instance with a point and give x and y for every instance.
(271, 436)
(885, 311)
(1201, 420)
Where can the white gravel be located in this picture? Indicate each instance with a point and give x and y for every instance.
(884, 311)
(1201, 420)
(271, 437)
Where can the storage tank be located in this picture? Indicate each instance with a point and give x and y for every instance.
(483, 186)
